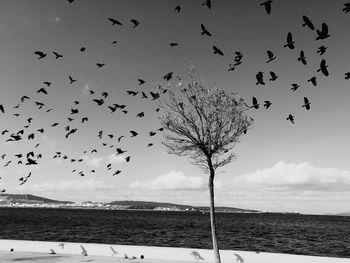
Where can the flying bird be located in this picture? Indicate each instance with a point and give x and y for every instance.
(313, 80)
(302, 57)
(144, 96)
(308, 23)
(40, 54)
(134, 22)
(270, 55)
(231, 67)
(255, 103)
(131, 92)
(306, 103)
(217, 51)
(290, 42)
(294, 87)
(127, 159)
(205, 31)
(104, 94)
(99, 101)
(291, 118)
(115, 21)
(173, 44)
(168, 76)
(155, 95)
(273, 76)
(346, 8)
(207, 3)
(178, 8)
(323, 68)
(321, 50)
(260, 78)
(71, 80)
(57, 55)
(323, 33)
(267, 5)
(24, 98)
(141, 114)
(100, 65)
(42, 90)
(347, 75)
(47, 83)
(2, 108)
(133, 133)
(82, 49)
(141, 81)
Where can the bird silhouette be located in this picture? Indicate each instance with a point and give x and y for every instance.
(290, 42)
(131, 92)
(82, 49)
(115, 21)
(308, 23)
(47, 83)
(323, 68)
(141, 81)
(260, 78)
(306, 103)
(144, 96)
(134, 22)
(42, 90)
(207, 3)
(2, 109)
(100, 65)
(347, 75)
(114, 42)
(99, 101)
(346, 8)
(313, 80)
(217, 51)
(267, 5)
(152, 133)
(120, 138)
(104, 94)
(127, 159)
(205, 31)
(231, 67)
(302, 57)
(23, 98)
(71, 80)
(178, 8)
(173, 44)
(321, 50)
(133, 133)
(120, 151)
(57, 55)
(40, 54)
(168, 76)
(74, 111)
(155, 95)
(255, 103)
(291, 118)
(270, 55)
(323, 33)
(273, 76)
(294, 87)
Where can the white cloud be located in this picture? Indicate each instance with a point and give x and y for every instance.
(95, 161)
(113, 158)
(303, 176)
(172, 181)
(99, 161)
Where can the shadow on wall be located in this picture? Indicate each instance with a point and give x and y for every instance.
(238, 258)
(196, 255)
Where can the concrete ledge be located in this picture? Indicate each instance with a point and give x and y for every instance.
(157, 254)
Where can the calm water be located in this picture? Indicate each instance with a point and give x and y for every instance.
(295, 234)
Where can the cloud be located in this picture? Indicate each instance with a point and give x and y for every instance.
(67, 186)
(95, 161)
(172, 181)
(113, 158)
(302, 176)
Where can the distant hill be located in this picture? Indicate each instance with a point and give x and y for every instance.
(343, 214)
(27, 198)
(154, 205)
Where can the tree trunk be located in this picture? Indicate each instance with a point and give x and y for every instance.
(212, 217)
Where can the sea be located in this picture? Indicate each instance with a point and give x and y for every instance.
(316, 235)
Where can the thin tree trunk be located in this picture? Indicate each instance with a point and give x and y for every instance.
(212, 218)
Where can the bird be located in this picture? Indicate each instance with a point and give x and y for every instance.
(321, 50)
(134, 22)
(115, 21)
(2, 109)
(117, 172)
(141, 114)
(155, 95)
(100, 133)
(306, 103)
(347, 75)
(71, 80)
(323, 68)
(291, 118)
(267, 5)
(144, 96)
(31, 162)
(260, 78)
(112, 108)
(104, 94)
(270, 55)
(39, 104)
(168, 76)
(131, 92)
(308, 23)
(47, 83)
(294, 87)
(323, 33)
(231, 67)
(114, 42)
(127, 159)
(120, 151)
(54, 124)
(141, 81)
(207, 3)
(149, 145)
(84, 119)
(74, 111)
(120, 138)
(313, 80)
(217, 51)
(173, 44)
(82, 49)
(23, 98)
(152, 133)
(40, 54)
(133, 133)
(178, 8)
(70, 1)
(99, 101)
(100, 65)
(346, 8)
(290, 42)
(255, 103)
(273, 76)
(302, 57)
(57, 55)
(42, 90)
(205, 31)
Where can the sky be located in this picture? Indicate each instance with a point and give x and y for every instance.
(279, 166)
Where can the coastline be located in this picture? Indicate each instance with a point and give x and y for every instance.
(69, 252)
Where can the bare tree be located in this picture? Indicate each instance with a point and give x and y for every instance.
(205, 125)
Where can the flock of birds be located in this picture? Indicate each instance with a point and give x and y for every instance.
(102, 100)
